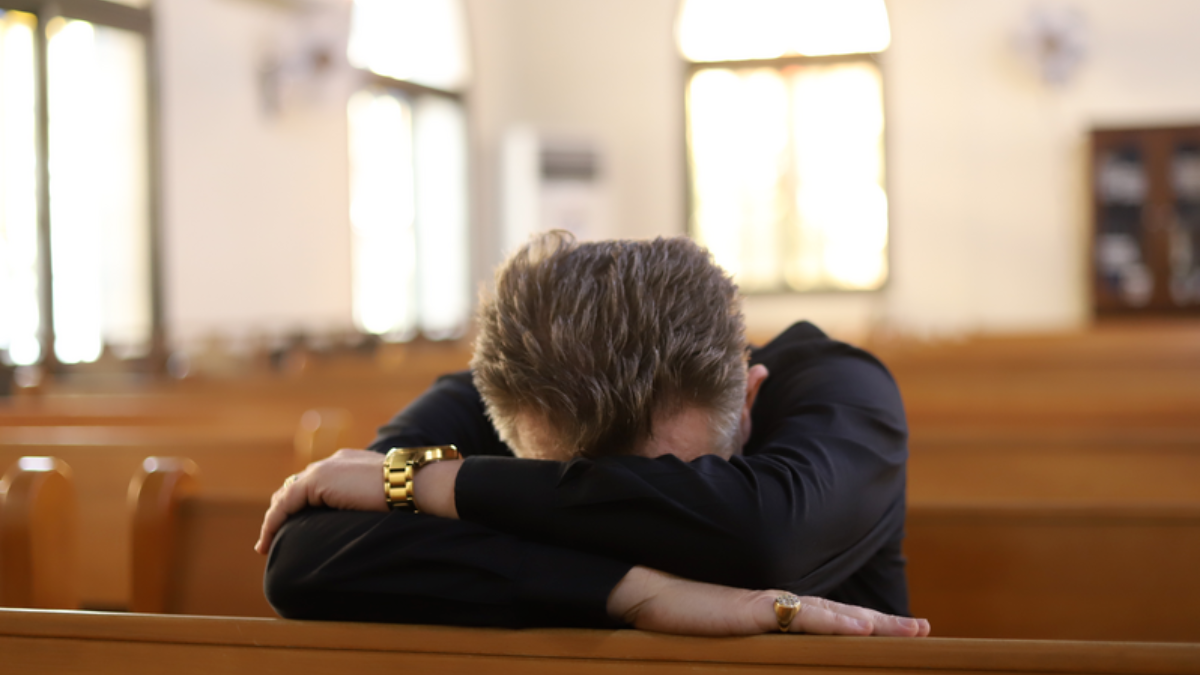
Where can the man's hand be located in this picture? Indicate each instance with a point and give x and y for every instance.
(652, 600)
(350, 479)
(353, 480)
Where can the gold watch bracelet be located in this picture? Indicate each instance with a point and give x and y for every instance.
(401, 464)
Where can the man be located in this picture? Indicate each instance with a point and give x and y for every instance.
(647, 447)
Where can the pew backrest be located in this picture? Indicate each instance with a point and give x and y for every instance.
(193, 554)
(154, 496)
(38, 535)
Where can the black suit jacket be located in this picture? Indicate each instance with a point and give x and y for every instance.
(815, 505)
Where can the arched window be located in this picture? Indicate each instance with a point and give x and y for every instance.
(785, 140)
(408, 166)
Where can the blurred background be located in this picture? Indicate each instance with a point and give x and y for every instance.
(176, 170)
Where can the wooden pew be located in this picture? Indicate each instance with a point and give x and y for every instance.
(1056, 572)
(1064, 570)
(1082, 467)
(321, 433)
(1139, 344)
(243, 466)
(38, 533)
(192, 554)
(1079, 535)
(238, 465)
(1055, 475)
(37, 642)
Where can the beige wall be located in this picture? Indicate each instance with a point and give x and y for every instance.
(604, 69)
(256, 206)
(986, 163)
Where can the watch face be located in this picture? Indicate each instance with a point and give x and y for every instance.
(397, 458)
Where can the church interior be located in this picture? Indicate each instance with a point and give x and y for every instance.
(238, 235)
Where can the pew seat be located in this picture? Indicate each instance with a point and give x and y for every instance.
(35, 642)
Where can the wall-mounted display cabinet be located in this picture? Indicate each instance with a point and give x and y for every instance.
(1146, 221)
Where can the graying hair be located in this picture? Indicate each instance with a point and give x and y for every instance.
(600, 337)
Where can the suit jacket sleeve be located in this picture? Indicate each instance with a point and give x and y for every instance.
(818, 493)
(415, 568)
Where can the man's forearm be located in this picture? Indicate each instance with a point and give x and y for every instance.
(413, 568)
(708, 520)
(652, 600)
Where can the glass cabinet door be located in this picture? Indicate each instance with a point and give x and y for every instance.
(1146, 220)
(1184, 234)
(1124, 277)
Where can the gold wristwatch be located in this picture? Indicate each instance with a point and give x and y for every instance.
(400, 464)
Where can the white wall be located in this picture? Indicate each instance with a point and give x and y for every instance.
(986, 163)
(256, 207)
(606, 70)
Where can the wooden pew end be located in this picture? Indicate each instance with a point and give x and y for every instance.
(155, 494)
(38, 530)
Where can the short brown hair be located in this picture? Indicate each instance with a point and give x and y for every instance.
(598, 337)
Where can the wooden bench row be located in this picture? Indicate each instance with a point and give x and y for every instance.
(999, 477)
(104, 460)
(176, 538)
(1045, 571)
(1132, 377)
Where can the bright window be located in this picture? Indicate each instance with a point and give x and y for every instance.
(419, 41)
(382, 213)
(20, 313)
(785, 141)
(99, 200)
(409, 170)
(81, 203)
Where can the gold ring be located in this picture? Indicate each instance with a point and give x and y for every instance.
(787, 606)
(290, 479)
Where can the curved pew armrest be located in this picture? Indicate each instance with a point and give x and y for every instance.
(155, 493)
(38, 530)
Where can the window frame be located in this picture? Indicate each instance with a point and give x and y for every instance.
(876, 59)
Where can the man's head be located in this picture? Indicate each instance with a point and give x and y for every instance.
(613, 347)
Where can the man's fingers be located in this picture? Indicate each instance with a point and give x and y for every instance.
(882, 624)
(287, 500)
(816, 619)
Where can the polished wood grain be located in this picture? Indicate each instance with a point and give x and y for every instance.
(69, 642)
(1056, 572)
